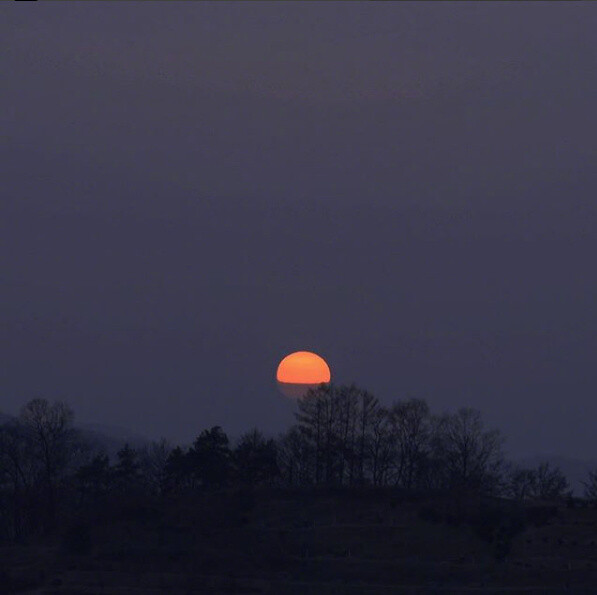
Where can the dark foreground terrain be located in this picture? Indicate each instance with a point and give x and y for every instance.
(313, 542)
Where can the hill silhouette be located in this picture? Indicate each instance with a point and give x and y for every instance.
(353, 498)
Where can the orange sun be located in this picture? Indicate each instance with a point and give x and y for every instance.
(300, 371)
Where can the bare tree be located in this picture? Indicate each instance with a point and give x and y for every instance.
(311, 425)
(342, 427)
(49, 427)
(410, 429)
(346, 430)
(18, 465)
(318, 416)
(367, 413)
(550, 483)
(470, 455)
(520, 484)
(296, 458)
(543, 482)
(380, 448)
(19, 469)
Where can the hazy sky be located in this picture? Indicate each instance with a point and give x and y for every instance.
(192, 190)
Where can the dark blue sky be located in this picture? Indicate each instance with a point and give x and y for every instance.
(192, 190)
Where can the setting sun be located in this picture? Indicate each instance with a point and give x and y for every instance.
(300, 371)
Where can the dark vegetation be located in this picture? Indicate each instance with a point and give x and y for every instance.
(354, 495)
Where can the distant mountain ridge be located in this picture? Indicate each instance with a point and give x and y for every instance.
(110, 439)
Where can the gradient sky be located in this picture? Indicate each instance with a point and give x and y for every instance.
(190, 191)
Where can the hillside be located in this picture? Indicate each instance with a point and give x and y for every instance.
(309, 542)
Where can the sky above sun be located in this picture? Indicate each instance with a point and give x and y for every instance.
(191, 191)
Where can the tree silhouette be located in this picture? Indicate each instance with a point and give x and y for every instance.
(94, 478)
(591, 487)
(410, 427)
(19, 469)
(521, 484)
(380, 450)
(255, 459)
(366, 414)
(470, 456)
(296, 458)
(343, 437)
(550, 483)
(345, 431)
(153, 459)
(210, 458)
(314, 410)
(544, 482)
(177, 473)
(126, 472)
(49, 427)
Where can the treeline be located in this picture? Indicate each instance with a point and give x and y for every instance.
(343, 436)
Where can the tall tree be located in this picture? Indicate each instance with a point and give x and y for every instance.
(127, 471)
(210, 458)
(19, 472)
(312, 417)
(410, 429)
(346, 430)
(53, 439)
(177, 473)
(296, 458)
(368, 407)
(380, 449)
(342, 426)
